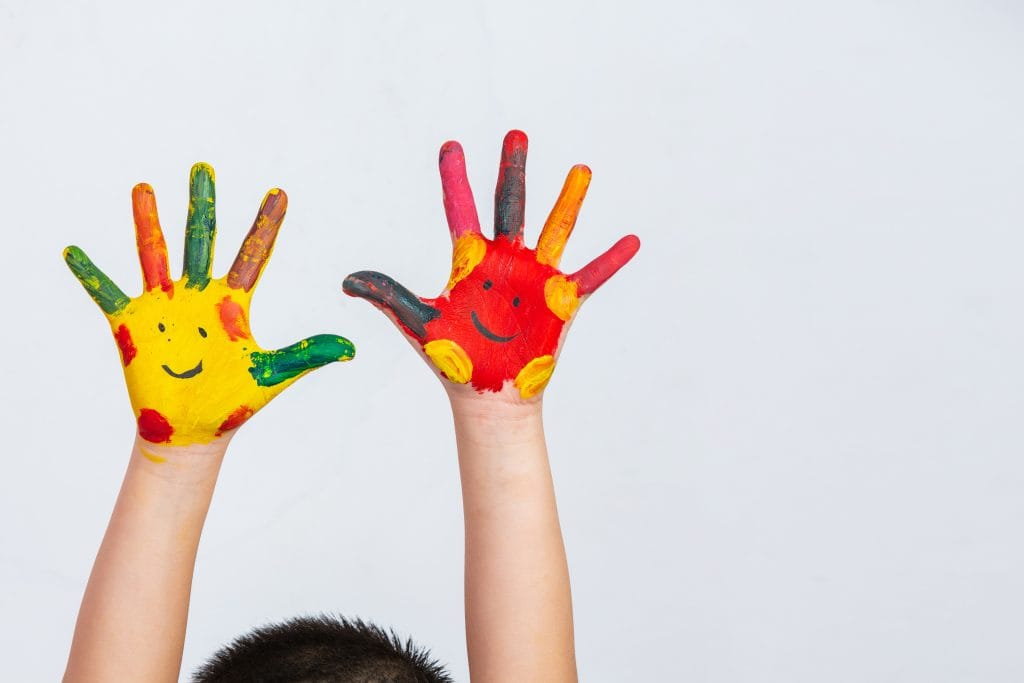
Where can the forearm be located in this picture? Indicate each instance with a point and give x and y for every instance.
(518, 601)
(131, 626)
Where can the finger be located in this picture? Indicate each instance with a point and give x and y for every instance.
(459, 207)
(597, 272)
(255, 250)
(510, 195)
(385, 293)
(100, 287)
(562, 219)
(273, 367)
(150, 240)
(201, 226)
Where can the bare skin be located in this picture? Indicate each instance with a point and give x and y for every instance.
(131, 626)
(519, 623)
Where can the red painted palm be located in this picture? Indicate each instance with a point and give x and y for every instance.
(501, 318)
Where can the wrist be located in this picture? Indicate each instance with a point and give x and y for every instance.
(503, 406)
(190, 464)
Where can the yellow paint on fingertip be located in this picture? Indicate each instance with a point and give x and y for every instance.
(561, 296)
(532, 379)
(203, 166)
(151, 456)
(451, 359)
(468, 253)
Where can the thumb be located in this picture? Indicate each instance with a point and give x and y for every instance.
(270, 368)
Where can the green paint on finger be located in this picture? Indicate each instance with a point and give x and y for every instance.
(201, 226)
(273, 367)
(100, 287)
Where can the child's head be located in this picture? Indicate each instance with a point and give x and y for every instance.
(322, 648)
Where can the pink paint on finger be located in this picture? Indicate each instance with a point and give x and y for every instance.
(597, 272)
(459, 207)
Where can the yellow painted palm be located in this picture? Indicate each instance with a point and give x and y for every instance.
(193, 369)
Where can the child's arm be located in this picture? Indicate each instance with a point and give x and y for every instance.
(518, 602)
(195, 375)
(493, 336)
(131, 625)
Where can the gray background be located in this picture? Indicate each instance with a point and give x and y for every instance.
(787, 438)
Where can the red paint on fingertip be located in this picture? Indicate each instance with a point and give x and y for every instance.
(235, 419)
(154, 427)
(515, 139)
(125, 344)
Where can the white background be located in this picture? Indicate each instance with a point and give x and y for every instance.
(786, 439)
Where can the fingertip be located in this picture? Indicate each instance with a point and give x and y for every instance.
(202, 169)
(581, 169)
(275, 203)
(143, 200)
(630, 244)
(515, 138)
(450, 148)
(141, 190)
(201, 181)
(579, 177)
(349, 349)
(355, 284)
(71, 252)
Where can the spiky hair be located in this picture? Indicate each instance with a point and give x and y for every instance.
(322, 649)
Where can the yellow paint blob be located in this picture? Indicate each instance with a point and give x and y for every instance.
(152, 457)
(532, 379)
(468, 253)
(451, 359)
(561, 296)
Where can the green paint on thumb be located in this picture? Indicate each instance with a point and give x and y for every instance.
(273, 367)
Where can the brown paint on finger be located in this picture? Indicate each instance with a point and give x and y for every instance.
(255, 250)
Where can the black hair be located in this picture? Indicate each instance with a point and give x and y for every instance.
(322, 649)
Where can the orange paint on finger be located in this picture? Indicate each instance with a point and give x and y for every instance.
(562, 218)
(150, 240)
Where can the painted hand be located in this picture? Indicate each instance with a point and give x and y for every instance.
(502, 315)
(193, 370)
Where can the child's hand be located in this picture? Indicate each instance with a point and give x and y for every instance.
(501, 318)
(193, 370)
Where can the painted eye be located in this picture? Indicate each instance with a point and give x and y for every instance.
(515, 302)
(488, 284)
(202, 333)
(161, 327)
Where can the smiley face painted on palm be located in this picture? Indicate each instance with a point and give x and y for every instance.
(192, 367)
(500, 319)
(190, 373)
(497, 315)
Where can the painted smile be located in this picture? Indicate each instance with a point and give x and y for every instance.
(188, 374)
(486, 332)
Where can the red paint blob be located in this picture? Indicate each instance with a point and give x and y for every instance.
(235, 419)
(506, 294)
(154, 427)
(124, 342)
